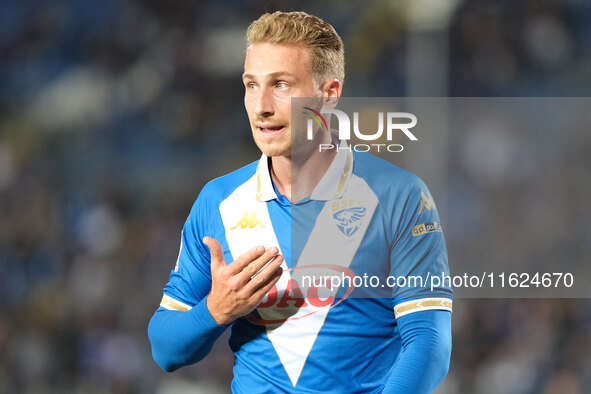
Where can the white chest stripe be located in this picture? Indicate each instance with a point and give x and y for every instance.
(294, 338)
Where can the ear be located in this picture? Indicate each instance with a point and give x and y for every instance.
(331, 91)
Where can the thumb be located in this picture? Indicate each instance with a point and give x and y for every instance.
(217, 254)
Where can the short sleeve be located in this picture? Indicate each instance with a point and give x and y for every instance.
(418, 254)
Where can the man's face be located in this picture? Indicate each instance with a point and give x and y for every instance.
(273, 73)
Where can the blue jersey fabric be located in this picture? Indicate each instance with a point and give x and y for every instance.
(365, 217)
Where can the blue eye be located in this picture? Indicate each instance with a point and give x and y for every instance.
(282, 85)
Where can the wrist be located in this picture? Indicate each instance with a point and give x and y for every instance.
(219, 318)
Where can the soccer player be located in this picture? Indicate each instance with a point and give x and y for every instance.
(236, 263)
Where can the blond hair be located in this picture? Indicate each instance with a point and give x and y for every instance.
(325, 47)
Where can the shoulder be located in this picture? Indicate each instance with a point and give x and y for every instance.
(218, 189)
(384, 178)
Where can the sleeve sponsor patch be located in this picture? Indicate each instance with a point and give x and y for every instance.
(425, 228)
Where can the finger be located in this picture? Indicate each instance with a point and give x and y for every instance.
(265, 275)
(246, 258)
(265, 287)
(215, 249)
(256, 265)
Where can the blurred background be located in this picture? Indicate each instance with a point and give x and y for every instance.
(114, 114)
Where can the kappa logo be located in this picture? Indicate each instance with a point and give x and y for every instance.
(426, 202)
(349, 219)
(248, 222)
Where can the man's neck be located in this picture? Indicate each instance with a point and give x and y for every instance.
(309, 173)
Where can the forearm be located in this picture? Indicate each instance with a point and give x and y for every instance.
(426, 351)
(182, 338)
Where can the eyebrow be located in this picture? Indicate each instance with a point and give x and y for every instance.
(275, 74)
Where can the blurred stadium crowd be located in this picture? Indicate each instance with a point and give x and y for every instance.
(114, 114)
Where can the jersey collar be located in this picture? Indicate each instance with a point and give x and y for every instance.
(332, 185)
(334, 182)
(265, 191)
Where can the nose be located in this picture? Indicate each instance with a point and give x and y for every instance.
(264, 106)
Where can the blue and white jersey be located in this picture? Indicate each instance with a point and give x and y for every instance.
(367, 218)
